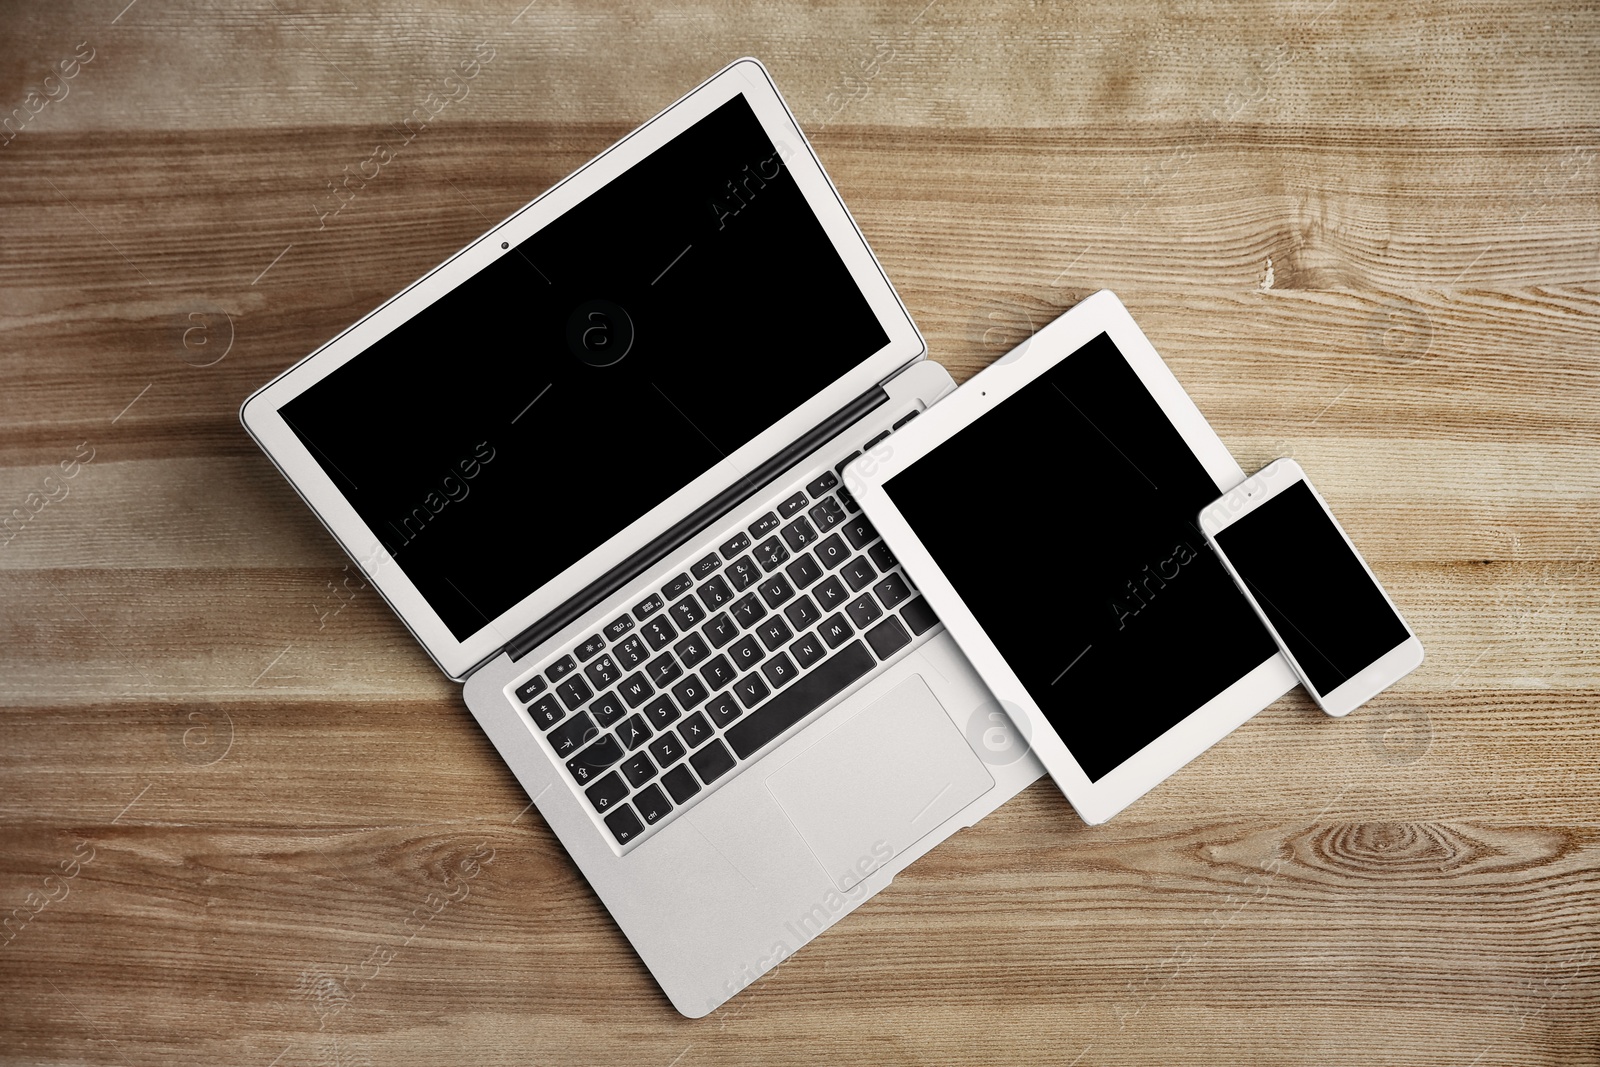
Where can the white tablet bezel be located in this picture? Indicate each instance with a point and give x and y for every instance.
(1095, 801)
(456, 657)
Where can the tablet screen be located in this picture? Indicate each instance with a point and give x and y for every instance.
(1065, 519)
(528, 415)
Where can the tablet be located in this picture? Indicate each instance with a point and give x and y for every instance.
(1046, 509)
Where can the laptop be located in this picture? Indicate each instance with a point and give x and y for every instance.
(593, 462)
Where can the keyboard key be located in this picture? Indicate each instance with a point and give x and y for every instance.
(892, 590)
(880, 555)
(802, 613)
(751, 690)
(821, 485)
(764, 525)
(687, 613)
(747, 611)
(830, 594)
(848, 500)
(603, 671)
(573, 735)
(662, 670)
(807, 650)
(531, 688)
(691, 650)
(690, 692)
(694, 730)
(780, 670)
(835, 630)
(667, 749)
(573, 692)
(905, 419)
(715, 593)
(619, 626)
(652, 804)
(812, 690)
(679, 586)
(720, 630)
(587, 765)
(919, 616)
(607, 792)
(658, 632)
(662, 712)
(718, 673)
(723, 709)
(775, 590)
(636, 689)
(798, 534)
(607, 711)
(774, 632)
(863, 609)
(560, 669)
(771, 554)
(547, 711)
(832, 552)
(624, 825)
(827, 514)
(793, 506)
(859, 532)
(746, 653)
(735, 545)
(633, 733)
(706, 567)
(637, 769)
(712, 762)
(859, 573)
(648, 606)
(680, 783)
(631, 652)
(803, 571)
(838, 468)
(742, 573)
(868, 446)
(591, 648)
(888, 637)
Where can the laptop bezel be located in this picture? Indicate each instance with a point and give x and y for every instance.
(260, 414)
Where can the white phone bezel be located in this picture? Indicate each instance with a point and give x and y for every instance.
(1253, 493)
(261, 416)
(1095, 801)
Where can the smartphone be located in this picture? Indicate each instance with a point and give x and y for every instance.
(1331, 619)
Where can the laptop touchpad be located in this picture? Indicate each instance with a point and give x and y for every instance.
(876, 785)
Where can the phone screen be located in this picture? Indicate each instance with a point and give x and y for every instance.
(1328, 611)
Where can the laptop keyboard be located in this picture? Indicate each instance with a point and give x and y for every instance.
(670, 700)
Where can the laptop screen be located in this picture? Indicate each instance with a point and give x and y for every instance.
(542, 406)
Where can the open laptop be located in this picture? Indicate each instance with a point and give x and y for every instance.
(592, 461)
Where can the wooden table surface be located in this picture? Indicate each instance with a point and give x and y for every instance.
(1366, 235)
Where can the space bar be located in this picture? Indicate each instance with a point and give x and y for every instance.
(791, 705)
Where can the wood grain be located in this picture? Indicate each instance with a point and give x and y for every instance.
(1363, 235)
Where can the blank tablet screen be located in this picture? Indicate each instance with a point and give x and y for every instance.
(1065, 519)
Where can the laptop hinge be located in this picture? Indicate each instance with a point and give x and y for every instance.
(702, 517)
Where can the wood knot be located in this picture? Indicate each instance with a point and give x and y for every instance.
(1389, 848)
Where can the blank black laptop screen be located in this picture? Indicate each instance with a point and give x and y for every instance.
(610, 359)
(1065, 518)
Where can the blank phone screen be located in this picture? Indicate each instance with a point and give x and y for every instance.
(1313, 589)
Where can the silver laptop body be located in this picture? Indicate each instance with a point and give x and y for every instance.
(734, 711)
